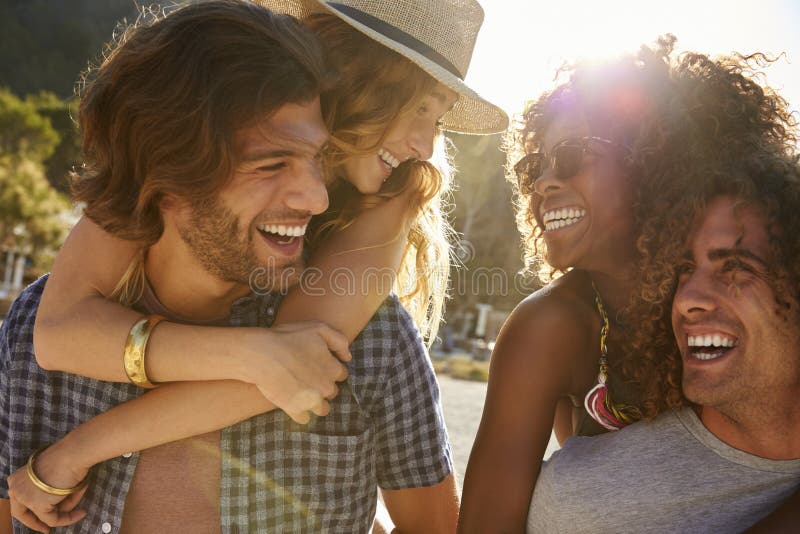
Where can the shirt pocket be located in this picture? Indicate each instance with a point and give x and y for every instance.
(338, 488)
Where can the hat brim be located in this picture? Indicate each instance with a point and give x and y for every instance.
(471, 114)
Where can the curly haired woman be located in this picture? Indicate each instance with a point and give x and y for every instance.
(601, 156)
(400, 84)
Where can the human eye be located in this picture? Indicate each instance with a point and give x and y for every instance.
(684, 269)
(271, 166)
(737, 269)
(732, 265)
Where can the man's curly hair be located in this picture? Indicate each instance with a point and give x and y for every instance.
(754, 160)
(690, 124)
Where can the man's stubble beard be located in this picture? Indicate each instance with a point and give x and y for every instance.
(222, 248)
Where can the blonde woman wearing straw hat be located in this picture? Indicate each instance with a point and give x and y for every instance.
(401, 65)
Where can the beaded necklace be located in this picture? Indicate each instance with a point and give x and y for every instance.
(598, 401)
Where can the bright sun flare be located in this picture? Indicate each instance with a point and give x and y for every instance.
(523, 42)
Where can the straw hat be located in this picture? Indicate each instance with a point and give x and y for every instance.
(437, 35)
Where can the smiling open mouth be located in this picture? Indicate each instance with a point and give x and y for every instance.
(563, 217)
(710, 346)
(388, 158)
(281, 234)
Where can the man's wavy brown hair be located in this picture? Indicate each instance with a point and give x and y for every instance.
(160, 114)
(689, 124)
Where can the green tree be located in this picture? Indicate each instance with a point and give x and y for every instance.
(33, 215)
(66, 155)
(24, 133)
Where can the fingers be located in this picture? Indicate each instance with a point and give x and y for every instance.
(333, 393)
(322, 409)
(38, 511)
(72, 500)
(41, 521)
(303, 368)
(336, 341)
(318, 406)
(339, 373)
(27, 518)
(62, 519)
(301, 418)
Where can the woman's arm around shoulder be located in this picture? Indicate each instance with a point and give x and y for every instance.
(78, 330)
(353, 269)
(532, 368)
(87, 268)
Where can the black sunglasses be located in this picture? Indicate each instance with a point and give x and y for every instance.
(566, 159)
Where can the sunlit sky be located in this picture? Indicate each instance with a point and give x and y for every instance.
(523, 42)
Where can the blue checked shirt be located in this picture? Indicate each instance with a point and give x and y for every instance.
(385, 429)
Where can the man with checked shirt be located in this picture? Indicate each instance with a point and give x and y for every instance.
(384, 429)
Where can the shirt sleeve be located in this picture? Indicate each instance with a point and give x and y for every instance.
(413, 449)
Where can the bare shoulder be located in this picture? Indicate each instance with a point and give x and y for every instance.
(93, 255)
(551, 329)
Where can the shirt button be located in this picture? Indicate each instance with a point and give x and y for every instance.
(127, 455)
(106, 528)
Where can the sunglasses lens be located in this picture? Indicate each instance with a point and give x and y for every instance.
(567, 160)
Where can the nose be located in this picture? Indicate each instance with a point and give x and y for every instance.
(546, 182)
(308, 192)
(421, 138)
(694, 295)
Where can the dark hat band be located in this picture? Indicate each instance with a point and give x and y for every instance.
(397, 35)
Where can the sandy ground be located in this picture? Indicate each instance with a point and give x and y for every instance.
(462, 401)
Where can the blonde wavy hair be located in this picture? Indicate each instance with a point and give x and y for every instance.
(376, 87)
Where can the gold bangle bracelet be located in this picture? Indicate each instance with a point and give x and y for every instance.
(47, 488)
(135, 350)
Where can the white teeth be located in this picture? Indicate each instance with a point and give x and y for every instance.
(705, 356)
(715, 340)
(555, 219)
(387, 157)
(283, 230)
(567, 215)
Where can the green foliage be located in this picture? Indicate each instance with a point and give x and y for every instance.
(67, 154)
(24, 133)
(45, 45)
(33, 215)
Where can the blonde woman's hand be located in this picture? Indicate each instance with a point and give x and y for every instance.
(299, 366)
(39, 510)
